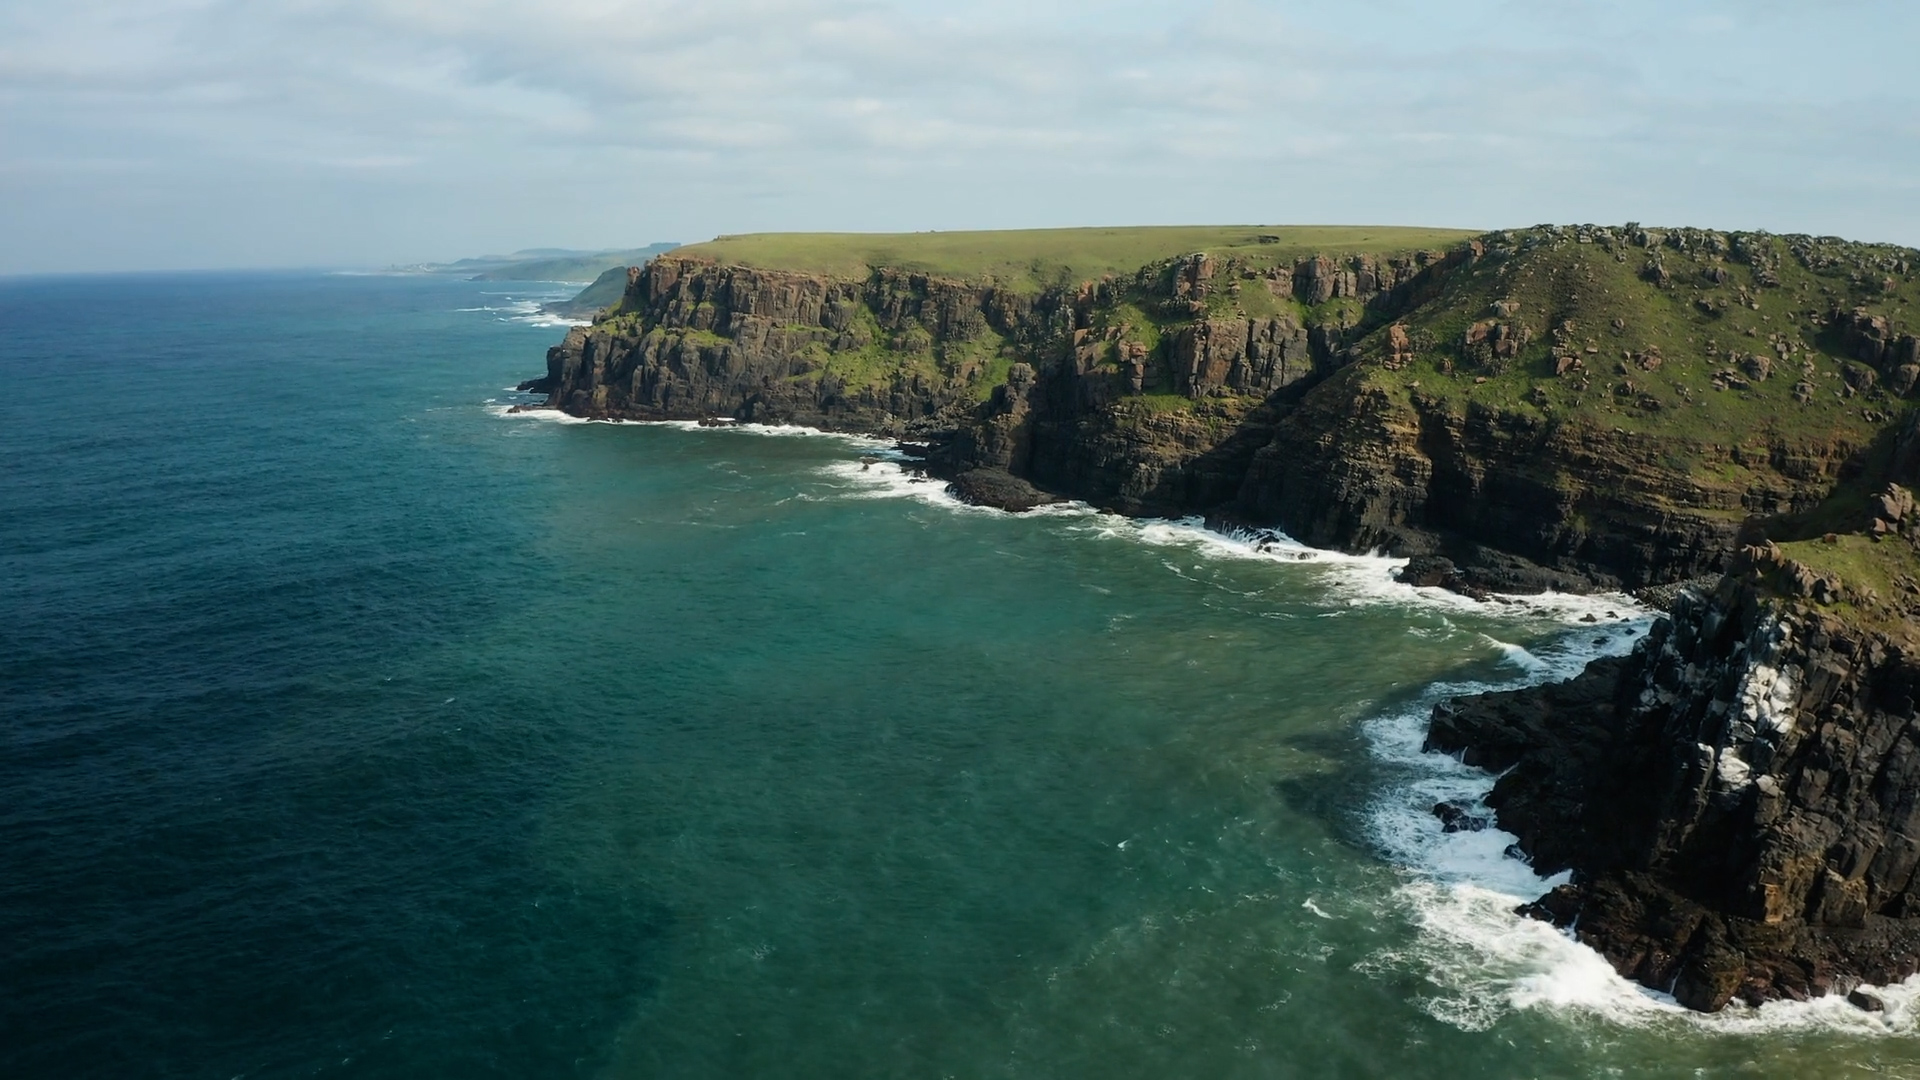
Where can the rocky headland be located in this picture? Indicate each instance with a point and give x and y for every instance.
(1722, 418)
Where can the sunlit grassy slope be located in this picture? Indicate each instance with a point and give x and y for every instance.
(1713, 311)
(1031, 259)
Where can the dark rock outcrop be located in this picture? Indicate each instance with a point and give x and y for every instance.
(1589, 507)
(1553, 408)
(1250, 391)
(999, 489)
(1739, 800)
(692, 339)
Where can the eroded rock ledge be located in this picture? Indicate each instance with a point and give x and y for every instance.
(1569, 408)
(1739, 800)
(1529, 406)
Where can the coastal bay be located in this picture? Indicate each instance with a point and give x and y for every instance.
(357, 727)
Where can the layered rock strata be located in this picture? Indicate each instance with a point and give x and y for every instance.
(691, 340)
(1739, 800)
(1263, 394)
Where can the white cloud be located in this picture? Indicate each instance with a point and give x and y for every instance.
(404, 129)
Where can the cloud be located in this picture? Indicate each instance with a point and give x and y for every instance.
(177, 132)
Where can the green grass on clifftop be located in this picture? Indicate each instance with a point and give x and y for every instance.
(1712, 314)
(1028, 260)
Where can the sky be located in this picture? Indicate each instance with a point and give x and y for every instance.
(181, 134)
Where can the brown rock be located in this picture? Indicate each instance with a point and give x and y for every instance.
(1904, 379)
(1864, 335)
(1399, 345)
(1893, 504)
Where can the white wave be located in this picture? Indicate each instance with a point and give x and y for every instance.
(545, 415)
(887, 479)
(1488, 963)
(1357, 580)
(1461, 890)
(1517, 655)
(872, 444)
(526, 311)
(894, 477)
(798, 431)
(1361, 580)
(1365, 580)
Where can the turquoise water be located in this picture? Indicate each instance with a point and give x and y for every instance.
(352, 728)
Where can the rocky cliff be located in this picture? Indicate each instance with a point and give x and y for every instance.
(1539, 408)
(1739, 801)
(690, 339)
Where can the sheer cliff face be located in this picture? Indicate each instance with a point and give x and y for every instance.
(692, 340)
(1739, 800)
(1359, 468)
(1151, 412)
(1548, 409)
(1784, 768)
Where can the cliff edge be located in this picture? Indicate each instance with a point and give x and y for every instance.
(1570, 407)
(1557, 407)
(1738, 800)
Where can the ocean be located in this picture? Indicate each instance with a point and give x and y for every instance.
(354, 727)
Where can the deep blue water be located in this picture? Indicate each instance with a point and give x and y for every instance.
(349, 728)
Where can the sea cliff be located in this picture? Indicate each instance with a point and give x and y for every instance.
(1739, 800)
(1558, 407)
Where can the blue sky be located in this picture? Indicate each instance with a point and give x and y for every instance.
(221, 133)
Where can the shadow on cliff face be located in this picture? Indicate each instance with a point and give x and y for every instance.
(1737, 800)
(1892, 457)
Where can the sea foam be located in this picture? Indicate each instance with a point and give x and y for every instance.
(1459, 890)
(528, 311)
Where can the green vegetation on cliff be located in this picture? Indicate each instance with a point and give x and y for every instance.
(1703, 335)
(1762, 375)
(1029, 260)
(1609, 403)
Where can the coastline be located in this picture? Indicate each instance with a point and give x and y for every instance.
(1194, 389)
(1467, 889)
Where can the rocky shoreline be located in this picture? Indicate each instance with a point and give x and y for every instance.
(1739, 799)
